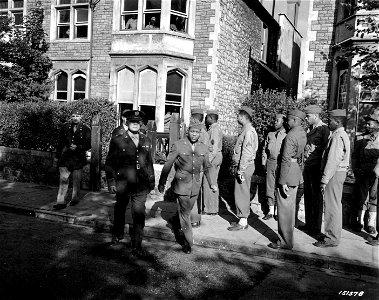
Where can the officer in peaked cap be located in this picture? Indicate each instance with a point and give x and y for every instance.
(317, 139)
(289, 179)
(191, 158)
(130, 175)
(123, 127)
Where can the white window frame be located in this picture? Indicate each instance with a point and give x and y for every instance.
(340, 94)
(182, 15)
(70, 85)
(128, 13)
(11, 10)
(73, 77)
(56, 91)
(149, 12)
(174, 103)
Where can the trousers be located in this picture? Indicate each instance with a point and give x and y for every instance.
(363, 185)
(271, 181)
(211, 199)
(64, 174)
(242, 193)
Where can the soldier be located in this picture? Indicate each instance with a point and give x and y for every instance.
(317, 139)
(271, 150)
(123, 127)
(334, 168)
(190, 157)
(130, 175)
(74, 141)
(289, 179)
(243, 160)
(211, 201)
(374, 241)
(198, 114)
(363, 164)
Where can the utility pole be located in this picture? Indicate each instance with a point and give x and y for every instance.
(92, 5)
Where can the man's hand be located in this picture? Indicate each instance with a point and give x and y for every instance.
(73, 147)
(376, 170)
(285, 189)
(322, 188)
(161, 188)
(214, 188)
(112, 189)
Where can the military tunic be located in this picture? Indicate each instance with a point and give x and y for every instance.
(290, 174)
(335, 165)
(317, 139)
(189, 160)
(130, 169)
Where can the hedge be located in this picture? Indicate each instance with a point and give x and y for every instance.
(36, 125)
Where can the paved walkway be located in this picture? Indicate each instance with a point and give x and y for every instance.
(96, 210)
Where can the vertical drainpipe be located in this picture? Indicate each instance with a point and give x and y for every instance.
(92, 5)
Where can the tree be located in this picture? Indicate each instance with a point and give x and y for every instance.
(24, 65)
(367, 55)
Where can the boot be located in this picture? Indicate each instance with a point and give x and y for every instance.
(371, 222)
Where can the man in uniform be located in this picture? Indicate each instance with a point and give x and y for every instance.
(363, 164)
(335, 164)
(211, 201)
(317, 139)
(190, 157)
(271, 150)
(130, 175)
(198, 114)
(74, 141)
(123, 127)
(244, 161)
(289, 179)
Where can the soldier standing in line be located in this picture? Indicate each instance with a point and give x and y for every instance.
(317, 139)
(363, 164)
(198, 114)
(271, 150)
(211, 201)
(130, 175)
(244, 161)
(334, 166)
(190, 157)
(289, 179)
(74, 141)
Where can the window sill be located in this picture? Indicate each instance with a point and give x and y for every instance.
(70, 41)
(152, 31)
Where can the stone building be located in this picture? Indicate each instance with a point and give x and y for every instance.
(166, 56)
(333, 24)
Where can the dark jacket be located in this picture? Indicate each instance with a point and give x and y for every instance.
(188, 165)
(131, 164)
(73, 159)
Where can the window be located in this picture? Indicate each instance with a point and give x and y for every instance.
(152, 14)
(13, 9)
(179, 15)
(61, 86)
(129, 14)
(342, 89)
(72, 19)
(125, 86)
(348, 8)
(264, 42)
(79, 86)
(174, 92)
(148, 93)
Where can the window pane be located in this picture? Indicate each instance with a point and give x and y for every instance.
(153, 4)
(149, 112)
(179, 5)
(152, 21)
(172, 109)
(174, 83)
(18, 18)
(130, 5)
(64, 1)
(63, 32)
(82, 15)
(82, 31)
(18, 3)
(79, 84)
(3, 17)
(61, 95)
(3, 4)
(130, 22)
(148, 87)
(125, 86)
(78, 96)
(62, 82)
(178, 23)
(82, 1)
(64, 16)
(174, 98)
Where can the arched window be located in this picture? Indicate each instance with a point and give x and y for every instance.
(79, 86)
(61, 85)
(148, 92)
(342, 84)
(125, 86)
(174, 92)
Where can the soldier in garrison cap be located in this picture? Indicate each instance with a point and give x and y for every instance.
(317, 139)
(290, 170)
(244, 161)
(190, 157)
(334, 166)
(130, 175)
(363, 162)
(74, 141)
(215, 135)
(270, 152)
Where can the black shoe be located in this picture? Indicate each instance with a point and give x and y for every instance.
(59, 206)
(236, 227)
(277, 245)
(267, 217)
(187, 249)
(195, 225)
(370, 230)
(141, 253)
(324, 244)
(73, 202)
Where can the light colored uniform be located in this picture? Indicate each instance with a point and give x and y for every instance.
(243, 157)
(335, 165)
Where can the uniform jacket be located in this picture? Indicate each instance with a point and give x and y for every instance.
(371, 151)
(215, 143)
(291, 157)
(317, 139)
(126, 162)
(272, 146)
(119, 130)
(73, 159)
(188, 164)
(336, 156)
(246, 147)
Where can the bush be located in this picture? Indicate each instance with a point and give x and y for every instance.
(36, 125)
